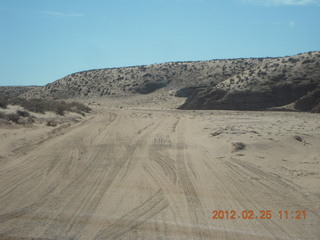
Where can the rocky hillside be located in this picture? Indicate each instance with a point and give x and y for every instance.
(145, 79)
(275, 82)
(235, 84)
(14, 91)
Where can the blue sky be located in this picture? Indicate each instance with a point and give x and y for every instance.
(44, 40)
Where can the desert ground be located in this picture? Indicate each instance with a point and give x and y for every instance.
(140, 171)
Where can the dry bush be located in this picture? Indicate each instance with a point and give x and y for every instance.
(13, 117)
(16, 118)
(2, 115)
(30, 120)
(3, 102)
(35, 105)
(43, 105)
(16, 101)
(238, 146)
(79, 107)
(23, 113)
(52, 123)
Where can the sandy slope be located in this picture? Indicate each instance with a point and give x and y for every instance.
(142, 174)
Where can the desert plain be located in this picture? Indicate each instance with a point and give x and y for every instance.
(137, 169)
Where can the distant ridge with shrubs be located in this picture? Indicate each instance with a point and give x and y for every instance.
(288, 83)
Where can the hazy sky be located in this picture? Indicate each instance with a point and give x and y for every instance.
(44, 40)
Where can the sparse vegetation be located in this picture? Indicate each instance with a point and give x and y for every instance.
(23, 113)
(39, 106)
(13, 117)
(238, 146)
(3, 102)
(20, 117)
(43, 105)
(52, 123)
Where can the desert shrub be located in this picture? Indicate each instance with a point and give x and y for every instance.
(61, 107)
(42, 105)
(2, 115)
(30, 120)
(13, 117)
(23, 113)
(16, 101)
(35, 105)
(293, 60)
(52, 123)
(80, 107)
(3, 102)
(308, 61)
(238, 146)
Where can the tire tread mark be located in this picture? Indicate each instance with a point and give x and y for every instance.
(195, 207)
(137, 216)
(166, 163)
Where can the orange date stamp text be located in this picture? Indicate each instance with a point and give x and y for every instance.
(263, 214)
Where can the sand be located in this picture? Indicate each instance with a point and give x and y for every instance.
(153, 173)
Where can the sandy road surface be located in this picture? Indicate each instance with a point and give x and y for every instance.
(159, 175)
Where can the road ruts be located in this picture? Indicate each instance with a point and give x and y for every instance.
(140, 174)
(137, 216)
(195, 207)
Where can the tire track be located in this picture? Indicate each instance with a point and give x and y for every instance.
(195, 208)
(137, 216)
(167, 164)
(56, 195)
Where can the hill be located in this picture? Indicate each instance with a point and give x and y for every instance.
(14, 91)
(144, 79)
(274, 83)
(232, 84)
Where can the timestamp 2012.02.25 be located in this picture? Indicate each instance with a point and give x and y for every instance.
(263, 214)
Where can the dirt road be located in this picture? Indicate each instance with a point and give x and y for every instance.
(160, 175)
